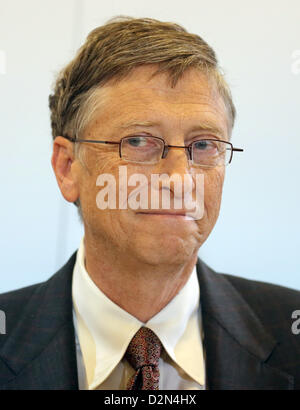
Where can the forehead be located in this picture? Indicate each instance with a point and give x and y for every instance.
(138, 98)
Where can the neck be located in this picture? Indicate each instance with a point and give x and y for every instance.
(140, 288)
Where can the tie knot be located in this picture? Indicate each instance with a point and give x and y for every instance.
(144, 349)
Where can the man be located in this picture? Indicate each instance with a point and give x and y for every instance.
(134, 308)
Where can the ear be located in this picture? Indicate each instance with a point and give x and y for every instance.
(62, 161)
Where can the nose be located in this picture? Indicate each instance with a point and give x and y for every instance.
(186, 149)
(177, 164)
(176, 159)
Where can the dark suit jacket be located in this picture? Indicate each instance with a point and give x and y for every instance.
(247, 327)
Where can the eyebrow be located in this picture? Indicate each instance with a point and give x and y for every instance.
(135, 123)
(205, 125)
(208, 127)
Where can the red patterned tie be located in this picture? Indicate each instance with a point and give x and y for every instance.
(143, 354)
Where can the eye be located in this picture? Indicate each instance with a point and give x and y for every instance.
(204, 145)
(145, 143)
(137, 141)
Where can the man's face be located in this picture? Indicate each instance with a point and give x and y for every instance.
(139, 106)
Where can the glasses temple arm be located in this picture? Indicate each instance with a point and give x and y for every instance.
(72, 139)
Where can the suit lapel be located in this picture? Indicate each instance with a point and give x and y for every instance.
(46, 358)
(236, 344)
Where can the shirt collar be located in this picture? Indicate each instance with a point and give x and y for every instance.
(112, 328)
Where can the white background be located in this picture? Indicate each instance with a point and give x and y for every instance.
(257, 235)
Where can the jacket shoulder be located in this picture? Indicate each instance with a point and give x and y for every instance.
(18, 296)
(14, 303)
(254, 290)
(273, 304)
(38, 349)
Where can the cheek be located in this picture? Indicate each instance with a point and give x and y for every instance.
(95, 162)
(100, 159)
(213, 185)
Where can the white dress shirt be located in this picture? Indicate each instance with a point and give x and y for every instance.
(104, 331)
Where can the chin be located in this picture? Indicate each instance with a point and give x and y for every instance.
(166, 251)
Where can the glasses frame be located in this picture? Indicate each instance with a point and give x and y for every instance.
(188, 148)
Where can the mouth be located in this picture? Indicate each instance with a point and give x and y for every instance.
(167, 214)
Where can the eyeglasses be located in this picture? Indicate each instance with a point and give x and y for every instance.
(206, 152)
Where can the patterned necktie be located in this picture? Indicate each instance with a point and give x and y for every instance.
(143, 354)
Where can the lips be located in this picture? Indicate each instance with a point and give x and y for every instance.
(165, 213)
